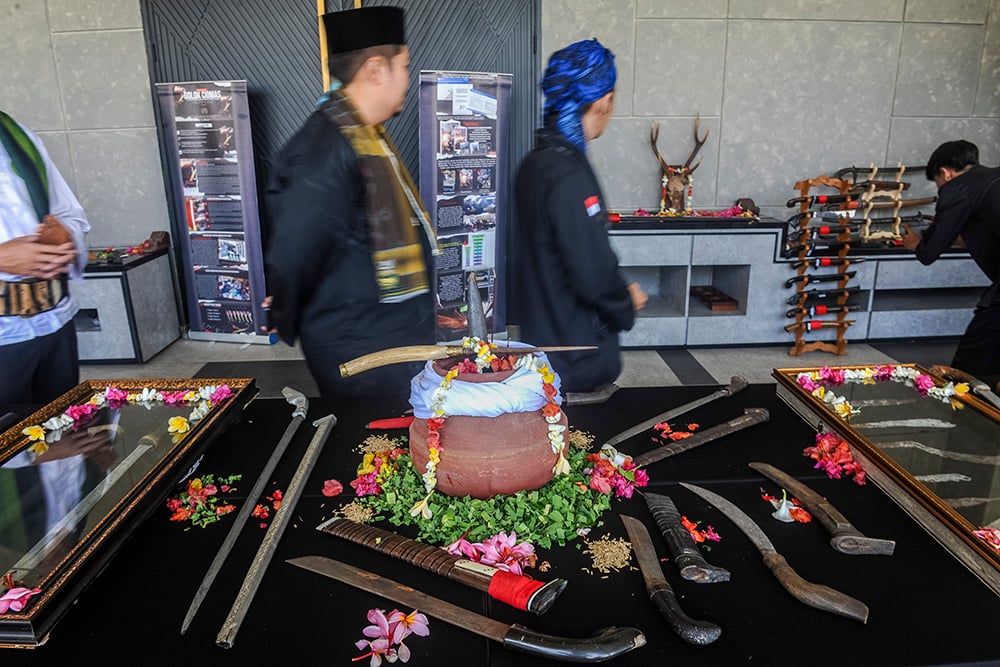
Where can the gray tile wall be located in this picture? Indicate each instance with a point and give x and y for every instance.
(75, 72)
(791, 89)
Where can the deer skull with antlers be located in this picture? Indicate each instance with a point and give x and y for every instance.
(676, 178)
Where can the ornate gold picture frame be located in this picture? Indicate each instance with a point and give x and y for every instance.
(81, 473)
(931, 445)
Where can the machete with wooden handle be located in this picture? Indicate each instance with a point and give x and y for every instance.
(516, 590)
(814, 595)
(606, 644)
(844, 537)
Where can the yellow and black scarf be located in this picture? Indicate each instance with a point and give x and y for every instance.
(394, 211)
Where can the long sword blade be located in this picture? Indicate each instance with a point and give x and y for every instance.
(737, 383)
(301, 404)
(750, 417)
(227, 634)
(605, 645)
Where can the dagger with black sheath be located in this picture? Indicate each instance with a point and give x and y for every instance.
(737, 383)
(660, 592)
(808, 279)
(817, 245)
(820, 231)
(815, 295)
(820, 262)
(855, 171)
(818, 309)
(516, 590)
(815, 595)
(844, 537)
(685, 553)
(606, 644)
(815, 325)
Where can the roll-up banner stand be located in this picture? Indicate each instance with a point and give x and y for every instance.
(207, 143)
(463, 181)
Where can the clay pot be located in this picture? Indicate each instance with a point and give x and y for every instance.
(486, 456)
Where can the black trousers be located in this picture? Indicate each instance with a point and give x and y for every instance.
(38, 371)
(978, 352)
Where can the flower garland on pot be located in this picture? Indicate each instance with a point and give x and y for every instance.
(486, 361)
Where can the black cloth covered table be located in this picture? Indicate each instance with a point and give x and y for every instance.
(926, 608)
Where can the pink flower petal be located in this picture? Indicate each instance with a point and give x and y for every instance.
(332, 487)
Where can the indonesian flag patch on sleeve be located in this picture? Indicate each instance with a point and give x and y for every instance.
(593, 205)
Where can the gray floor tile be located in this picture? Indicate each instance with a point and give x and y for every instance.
(756, 363)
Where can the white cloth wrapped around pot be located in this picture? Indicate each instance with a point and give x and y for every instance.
(520, 392)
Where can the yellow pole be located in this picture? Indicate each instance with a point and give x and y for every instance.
(320, 10)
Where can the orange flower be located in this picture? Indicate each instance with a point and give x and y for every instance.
(550, 409)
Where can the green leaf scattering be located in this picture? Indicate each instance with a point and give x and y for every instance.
(551, 515)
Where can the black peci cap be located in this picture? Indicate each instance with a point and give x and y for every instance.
(356, 29)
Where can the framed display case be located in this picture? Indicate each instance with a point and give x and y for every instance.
(80, 474)
(929, 444)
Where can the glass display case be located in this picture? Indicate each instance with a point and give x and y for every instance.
(80, 474)
(930, 444)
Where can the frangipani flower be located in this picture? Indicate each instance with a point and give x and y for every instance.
(178, 425)
(787, 511)
(388, 631)
(16, 598)
(35, 433)
(422, 508)
(413, 623)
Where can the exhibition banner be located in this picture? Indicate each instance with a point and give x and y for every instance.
(208, 148)
(463, 181)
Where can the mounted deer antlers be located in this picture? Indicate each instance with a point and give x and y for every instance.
(676, 178)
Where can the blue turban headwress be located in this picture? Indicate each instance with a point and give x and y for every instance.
(576, 76)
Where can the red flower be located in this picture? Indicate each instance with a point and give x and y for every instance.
(550, 409)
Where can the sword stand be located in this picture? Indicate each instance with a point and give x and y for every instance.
(814, 251)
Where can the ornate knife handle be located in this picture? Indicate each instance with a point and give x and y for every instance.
(516, 590)
(686, 555)
(689, 629)
(814, 595)
(605, 645)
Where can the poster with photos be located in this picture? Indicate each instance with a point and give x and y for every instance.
(206, 136)
(463, 167)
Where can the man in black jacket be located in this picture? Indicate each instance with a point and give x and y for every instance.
(570, 290)
(968, 212)
(348, 257)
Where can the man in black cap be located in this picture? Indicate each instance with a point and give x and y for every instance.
(967, 212)
(348, 258)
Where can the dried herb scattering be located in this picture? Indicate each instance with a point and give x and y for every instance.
(609, 554)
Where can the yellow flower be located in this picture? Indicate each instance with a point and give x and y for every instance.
(178, 425)
(39, 448)
(367, 464)
(34, 433)
(422, 508)
(962, 388)
(434, 455)
(562, 466)
(843, 409)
